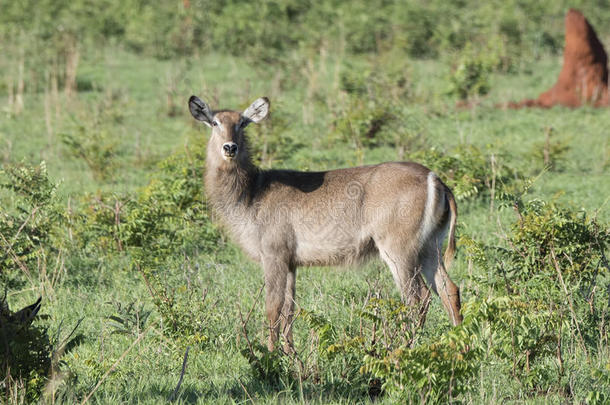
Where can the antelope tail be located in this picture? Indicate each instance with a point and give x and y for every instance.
(450, 251)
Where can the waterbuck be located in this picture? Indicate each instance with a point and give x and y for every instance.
(283, 219)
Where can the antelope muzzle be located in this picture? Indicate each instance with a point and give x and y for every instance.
(229, 150)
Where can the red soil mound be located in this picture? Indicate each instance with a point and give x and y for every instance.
(584, 75)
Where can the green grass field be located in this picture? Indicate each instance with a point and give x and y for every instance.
(135, 108)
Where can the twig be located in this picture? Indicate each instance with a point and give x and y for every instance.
(546, 150)
(172, 397)
(492, 191)
(559, 356)
(245, 390)
(573, 313)
(244, 323)
(64, 342)
(10, 251)
(24, 224)
(9, 246)
(260, 291)
(116, 363)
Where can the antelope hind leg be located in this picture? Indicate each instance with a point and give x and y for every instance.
(437, 277)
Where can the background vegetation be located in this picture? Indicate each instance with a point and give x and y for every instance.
(103, 213)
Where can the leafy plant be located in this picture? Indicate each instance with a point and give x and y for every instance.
(466, 170)
(186, 315)
(363, 124)
(167, 216)
(545, 277)
(128, 319)
(270, 367)
(551, 153)
(384, 79)
(97, 148)
(28, 222)
(470, 77)
(388, 356)
(92, 137)
(601, 381)
(547, 241)
(169, 213)
(271, 141)
(434, 372)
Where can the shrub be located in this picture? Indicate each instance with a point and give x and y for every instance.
(551, 278)
(272, 142)
(386, 78)
(363, 124)
(166, 219)
(270, 367)
(97, 148)
(551, 153)
(466, 170)
(470, 78)
(390, 354)
(546, 238)
(186, 315)
(28, 220)
(26, 358)
(433, 372)
(92, 139)
(171, 212)
(168, 214)
(29, 354)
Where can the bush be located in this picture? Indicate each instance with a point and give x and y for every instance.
(546, 242)
(369, 118)
(551, 279)
(466, 170)
(26, 358)
(470, 78)
(166, 219)
(29, 218)
(363, 124)
(389, 354)
(434, 372)
(97, 148)
(271, 141)
(168, 214)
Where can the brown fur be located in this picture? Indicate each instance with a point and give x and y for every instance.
(284, 219)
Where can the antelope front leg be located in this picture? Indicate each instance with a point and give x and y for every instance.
(276, 273)
(288, 311)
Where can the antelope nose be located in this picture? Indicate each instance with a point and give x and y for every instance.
(229, 148)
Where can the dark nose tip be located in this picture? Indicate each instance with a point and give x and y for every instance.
(229, 148)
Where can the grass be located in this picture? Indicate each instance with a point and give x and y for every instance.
(131, 91)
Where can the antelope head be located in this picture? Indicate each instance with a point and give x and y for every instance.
(227, 139)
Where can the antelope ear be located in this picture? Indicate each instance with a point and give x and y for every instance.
(200, 110)
(258, 110)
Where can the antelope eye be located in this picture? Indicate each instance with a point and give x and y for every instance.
(214, 123)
